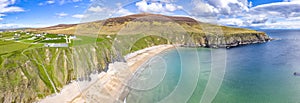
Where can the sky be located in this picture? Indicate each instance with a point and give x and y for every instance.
(262, 14)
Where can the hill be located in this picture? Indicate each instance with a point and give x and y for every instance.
(199, 33)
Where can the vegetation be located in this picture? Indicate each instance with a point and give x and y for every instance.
(29, 71)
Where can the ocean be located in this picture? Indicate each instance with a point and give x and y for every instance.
(256, 73)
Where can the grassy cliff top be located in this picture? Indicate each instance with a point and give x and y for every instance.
(142, 23)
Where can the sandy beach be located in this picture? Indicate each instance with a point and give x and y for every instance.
(106, 87)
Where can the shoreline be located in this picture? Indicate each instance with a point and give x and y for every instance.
(110, 86)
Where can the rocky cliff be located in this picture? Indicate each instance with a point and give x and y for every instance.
(32, 74)
(27, 75)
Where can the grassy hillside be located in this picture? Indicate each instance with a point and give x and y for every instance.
(29, 71)
(168, 27)
(114, 25)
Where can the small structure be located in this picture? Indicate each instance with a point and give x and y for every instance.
(61, 35)
(38, 35)
(32, 38)
(16, 36)
(56, 45)
(72, 37)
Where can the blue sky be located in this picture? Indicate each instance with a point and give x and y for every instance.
(267, 14)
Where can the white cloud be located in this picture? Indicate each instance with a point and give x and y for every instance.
(96, 9)
(6, 7)
(2, 15)
(172, 7)
(276, 15)
(279, 25)
(9, 26)
(157, 7)
(123, 12)
(79, 16)
(60, 2)
(220, 7)
(62, 14)
(204, 9)
(284, 14)
(11, 9)
(231, 21)
(291, 0)
(50, 2)
(12, 26)
(76, 0)
(282, 9)
(41, 4)
(250, 4)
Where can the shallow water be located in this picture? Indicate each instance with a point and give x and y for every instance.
(258, 73)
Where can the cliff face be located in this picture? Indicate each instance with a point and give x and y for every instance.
(31, 74)
(213, 41)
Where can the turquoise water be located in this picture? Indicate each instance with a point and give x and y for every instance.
(258, 73)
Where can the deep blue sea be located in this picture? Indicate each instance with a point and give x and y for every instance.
(257, 73)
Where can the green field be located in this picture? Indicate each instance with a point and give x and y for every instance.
(11, 46)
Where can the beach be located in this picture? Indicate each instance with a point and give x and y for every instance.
(106, 87)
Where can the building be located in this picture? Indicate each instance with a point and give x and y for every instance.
(56, 45)
(38, 35)
(16, 36)
(60, 34)
(72, 37)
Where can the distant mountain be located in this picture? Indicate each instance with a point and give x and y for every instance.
(13, 29)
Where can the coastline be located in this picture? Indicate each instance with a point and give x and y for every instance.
(110, 86)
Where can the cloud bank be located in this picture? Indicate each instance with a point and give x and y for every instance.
(5, 7)
(278, 15)
(157, 6)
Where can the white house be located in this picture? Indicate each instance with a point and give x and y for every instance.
(72, 37)
(16, 36)
(38, 35)
(60, 34)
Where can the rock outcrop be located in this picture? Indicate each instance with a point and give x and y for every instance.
(221, 41)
